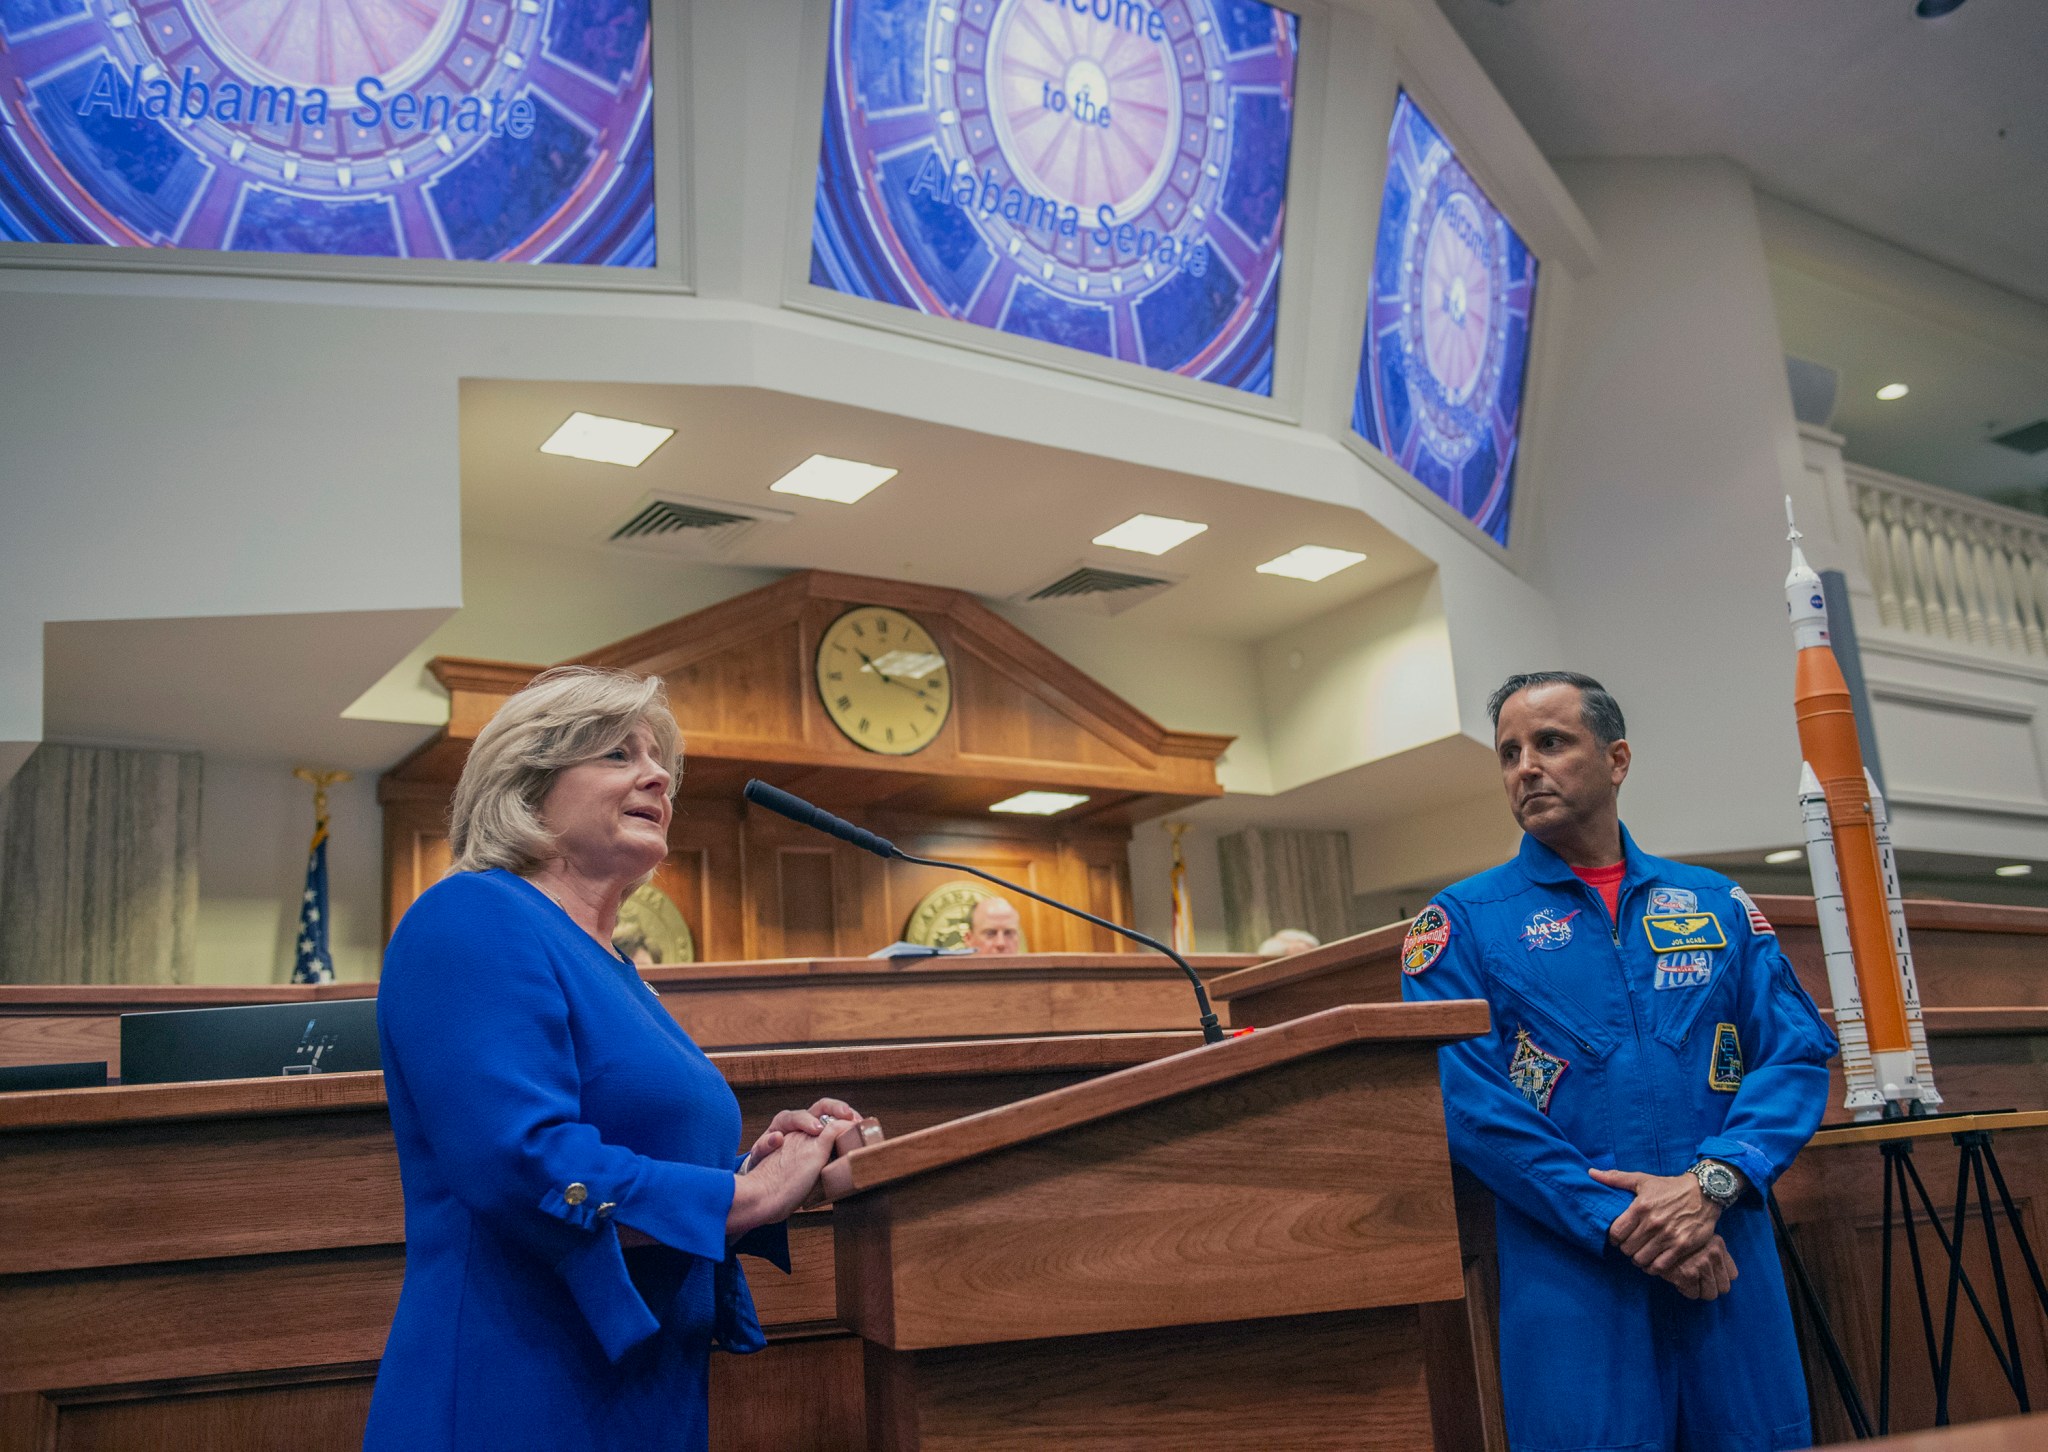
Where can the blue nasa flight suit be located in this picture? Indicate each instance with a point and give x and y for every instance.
(1672, 1033)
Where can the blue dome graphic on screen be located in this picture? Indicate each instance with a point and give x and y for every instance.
(1447, 329)
(1107, 175)
(465, 129)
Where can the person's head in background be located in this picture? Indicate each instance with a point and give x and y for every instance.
(994, 927)
(1289, 941)
(632, 945)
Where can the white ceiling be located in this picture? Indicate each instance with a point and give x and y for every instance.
(1965, 388)
(1931, 135)
(971, 511)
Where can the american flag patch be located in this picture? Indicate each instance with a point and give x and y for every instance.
(1758, 923)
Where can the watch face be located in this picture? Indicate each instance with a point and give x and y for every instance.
(883, 680)
(1447, 329)
(506, 130)
(1108, 175)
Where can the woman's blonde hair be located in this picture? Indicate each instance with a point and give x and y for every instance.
(567, 715)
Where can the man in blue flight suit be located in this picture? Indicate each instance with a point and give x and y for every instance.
(1652, 1067)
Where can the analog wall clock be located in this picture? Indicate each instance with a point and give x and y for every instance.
(884, 681)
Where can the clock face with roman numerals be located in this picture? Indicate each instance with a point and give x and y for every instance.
(883, 680)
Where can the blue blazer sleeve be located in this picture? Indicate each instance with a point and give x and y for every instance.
(478, 1028)
(1786, 1046)
(1495, 1133)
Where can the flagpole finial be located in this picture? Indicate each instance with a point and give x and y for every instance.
(321, 781)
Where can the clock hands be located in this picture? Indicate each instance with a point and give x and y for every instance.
(868, 664)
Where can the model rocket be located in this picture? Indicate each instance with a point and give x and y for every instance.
(1855, 878)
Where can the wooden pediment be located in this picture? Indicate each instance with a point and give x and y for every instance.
(741, 683)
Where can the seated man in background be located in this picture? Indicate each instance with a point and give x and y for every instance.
(993, 927)
(1638, 1092)
(1289, 941)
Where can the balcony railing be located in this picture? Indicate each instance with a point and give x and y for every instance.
(1951, 567)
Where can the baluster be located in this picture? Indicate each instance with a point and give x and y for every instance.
(1946, 612)
(1944, 567)
(2008, 598)
(1902, 566)
(2024, 549)
(1993, 629)
(1970, 628)
(1877, 558)
(2037, 571)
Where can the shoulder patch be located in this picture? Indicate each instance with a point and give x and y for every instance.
(1758, 923)
(1427, 937)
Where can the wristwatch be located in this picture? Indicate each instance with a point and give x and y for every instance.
(1718, 1182)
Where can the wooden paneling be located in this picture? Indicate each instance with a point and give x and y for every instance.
(416, 851)
(728, 1005)
(1248, 1203)
(1180, 1253)
(803, 1394)
(1348, 1383)
(143, 1323)
(753, 690)
(740, 682)
(204, 1265)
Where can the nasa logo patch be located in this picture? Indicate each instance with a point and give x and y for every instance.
(1689, 969)
(1535, 1073)
(1547, 931)
(1427, 937)
(1674, 900)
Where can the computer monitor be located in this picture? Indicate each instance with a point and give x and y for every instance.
(252, 1042)
(89, 1074)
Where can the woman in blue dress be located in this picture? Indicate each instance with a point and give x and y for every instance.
(574, 1199)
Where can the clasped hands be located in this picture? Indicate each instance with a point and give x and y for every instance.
(785, 1162)
(1669, 1232)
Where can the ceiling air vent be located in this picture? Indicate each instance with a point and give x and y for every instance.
(684, 525)
(1097, 590)
(2027, 439)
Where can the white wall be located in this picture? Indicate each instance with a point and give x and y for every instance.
(1660, 542)
(255, 824)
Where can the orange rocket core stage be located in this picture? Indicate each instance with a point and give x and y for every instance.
(1827, 739)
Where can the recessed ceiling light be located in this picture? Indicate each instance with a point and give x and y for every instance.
(842, 481)
(2015, 869)
(1892, 392)
(1311, 562)
(604, 440)
(1038, 804)
(1150, 534)
(1789, 854)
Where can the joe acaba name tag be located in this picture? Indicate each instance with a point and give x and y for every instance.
(1675, 932)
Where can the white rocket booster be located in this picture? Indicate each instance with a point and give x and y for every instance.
(1863, 940)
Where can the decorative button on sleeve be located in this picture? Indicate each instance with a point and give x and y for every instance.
(577, 1193)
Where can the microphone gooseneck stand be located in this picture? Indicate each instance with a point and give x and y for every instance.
(818, 819)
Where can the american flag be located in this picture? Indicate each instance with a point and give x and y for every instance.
(1183, 936)
(311, 960)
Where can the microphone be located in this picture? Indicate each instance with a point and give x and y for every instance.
(802, 812)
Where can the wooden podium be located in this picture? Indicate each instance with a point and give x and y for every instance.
(1225, 1248)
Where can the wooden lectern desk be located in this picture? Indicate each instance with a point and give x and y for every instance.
(1222, 1249)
